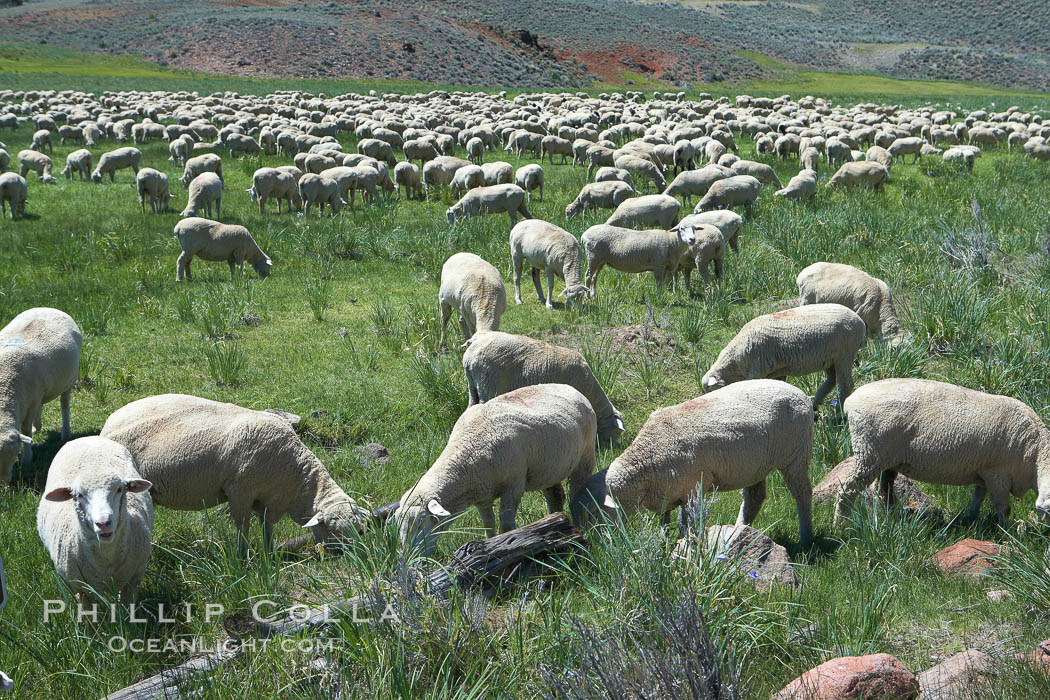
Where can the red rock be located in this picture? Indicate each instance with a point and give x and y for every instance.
(873, 677)
(1040, 657)
(967, 557)
(964, 675)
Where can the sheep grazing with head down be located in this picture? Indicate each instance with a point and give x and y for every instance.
(599, 195)
(112, 161)
(204, 163)
(862, 173)
(213, 241)
(271, 183)
(549, 248)
(492, 199)
(205, 190)
(760, 171)
(869, 297)
(802, 186)
(38, 163)
(152, 185)
(475, 289)
(627, 250)
(530, 178)
(649, 210)
(793, 343)
(14, 191)
(696, 183)
(730, 439)
(199, 453)
(529, 439)
(78, 162)
(96, 519)
(730, 192)
(496, 363)
(319, 190)
(407, 175)
(946, 434)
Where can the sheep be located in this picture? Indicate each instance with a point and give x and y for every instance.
(154, 185)
(529, 439)
(491, 199)
(213, 241)
(760, 171)
(5, 158)
(179, 150)
(869, 297)
(803, 185)
(837, 151)
(731, 192)
(696, 183)
(205, 189)
(729, 439)
(315, 162)
(643, 167)
(633, 251)
(40, 349)
(959, 155)
(467, 179)
(613, 175)
(865, 172)
(530, 177)
(498, 173)
(112, 161)
(380, 150)
(421, 150)
(684, 155)
(725, 220)
(96, 518)
(708, 249)
(362, 177)
(199, 453)
(648, 210)
(713, 151)
(474, 288)
(475, 150)
(41, 138)
(38, 163)
(241, 143)
(904, 146)
(548, 248)
(13, 190)
(320, 190)
(204, 163)
(599, 195)
(793, 343)
(78, 162)
(880, 155)
(598, 155)
(946, 434)
(551, 145)
(810, 159)
(407, 175)
(70, 133)
(496, 363)
(440, 171)
(277, 184)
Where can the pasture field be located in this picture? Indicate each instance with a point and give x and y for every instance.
(345, 333)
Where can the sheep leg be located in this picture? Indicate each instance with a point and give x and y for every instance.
(866, 468)
(844, 372)
(796, 478)
(218, 214)
(539, 287)
(886, 480)
(473, 397)
(825, 388)
(979, 492)
(999, 494)
(67, 433)
(488, 519)
(754, 496)
(509, 501)
(517, 261)
(687, 272)
(555, 497)
(593, 268)
(445, 312)
(232, 265)
(734, 243)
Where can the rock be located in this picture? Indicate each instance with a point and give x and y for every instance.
(967, 557)
(373, 452)
(763, 561)
(290, 417)
(873, 677)
(906, 492)
(1040, 657)
(999, 596)
(963, 675)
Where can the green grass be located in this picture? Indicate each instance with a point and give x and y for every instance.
(346, 324)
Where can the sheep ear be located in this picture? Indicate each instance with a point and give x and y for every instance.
(138, 485)
(313, 522)
(269, 262)
(437, 509)
(25, 438)
(619, 423)
(63, 493)
(610, 502)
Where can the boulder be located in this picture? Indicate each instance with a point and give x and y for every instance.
(374, 453)
(906, 492)
(759, 558)
(1040, 657)
(872, 677)
(967, 557)
(963, 675)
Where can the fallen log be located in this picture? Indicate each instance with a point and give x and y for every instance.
(491, 566)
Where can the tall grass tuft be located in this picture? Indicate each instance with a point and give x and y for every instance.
(605, 360)
(226, 361)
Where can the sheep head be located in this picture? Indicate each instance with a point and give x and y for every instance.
(10, 445)
(419, 524)
(338, 517)
(99, 499)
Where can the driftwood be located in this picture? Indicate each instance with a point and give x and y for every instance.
(297, 544)
(490, 565)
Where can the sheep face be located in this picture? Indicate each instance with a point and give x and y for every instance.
(419, 525)
(577, 293)
(96, 177)
(338, 518)
(687, 234)
(611, 428)
(100, 500)
(451, 214)
(9, 448)
(262, 267)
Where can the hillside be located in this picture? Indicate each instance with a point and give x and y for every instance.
(544, 43)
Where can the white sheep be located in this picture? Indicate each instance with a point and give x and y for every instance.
(407, 175)
(760, 171)
(793, 343)
(803, 185)
(204, 163)
(551, 145)
(492, 199)
(112, 161)
(498, 172)
(272, 183)
(475, 150)
(467, 179)
(696, 183)
(608, 194)
(216, 242)
(96, 519)
(959, 155)
(631, 251)
(78, 162)
(639, 166)
(729, 439)
(709, 249)
(440, 171)
(529, 178)
(648, 210)
(38, 163)
(725, 220)
(41, 138)
(320, 190)
(205, 190)
(199, 453)
(810, 159)
(869, 297)
(904, 146)
(14, 191)
(496, 363)
(475, 289)
(153, 185)
(607, 174)
(241, 143)
(549, 248)
(731, 192)
(945, 434)
(865, 172)
(39, 362)
(530, 439)
(879, 155)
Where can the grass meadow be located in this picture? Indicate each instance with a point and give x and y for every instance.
(345, 333)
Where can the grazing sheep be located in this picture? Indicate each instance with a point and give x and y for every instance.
(725, 220)
(599, 195)
(271, 183)
(68, 132)
(597, 156)
(39, 362)
(319, 190)
(96, 519)
(498, 173)
(38, 163)
(179, 150)
(613, 175)
(530, 177)
(205, 189)
(199, 453)
(638, 166)
(475, 150)
(961, 155)
(793, 343)
(216, 242)
(648, 210)
(241, 143)
(380, 150)
(708, 250)
(440, 171)
(810, 159)
(865, 172)
(315, 163)
(407, 175)
(730, 439)
(112, 161)
(551, 145)
(633, 251)
(696, 183)
(421, 150)
(496, 363)
(42, 138)
(803, 185)
(904, 146)
(475, 288)
(152, 184)
(760, 171)
(204, 163)
(880, 155)
(79, 162)
(13, 190)
(467, 179)
(731, 192)
(549, 248)
(945, 434)
(838, 151)
(492, 199)
(869, 297)
(530, 439)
